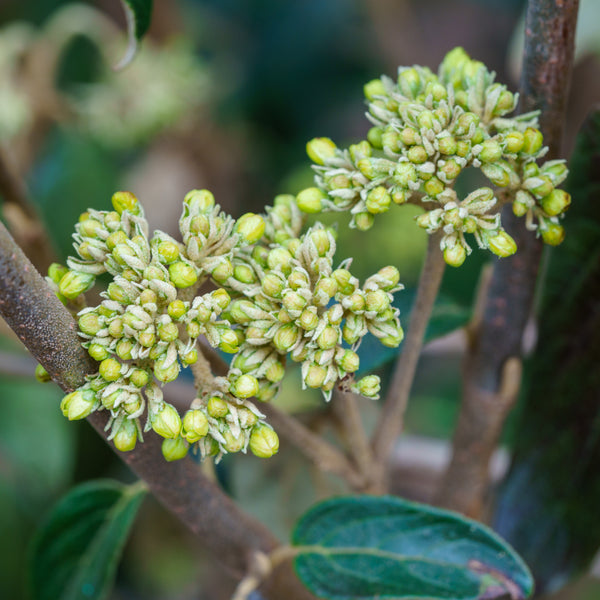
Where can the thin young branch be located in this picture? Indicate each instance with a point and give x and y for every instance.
(22, 217)
(549, 46)
(391, 418)
(47, 329)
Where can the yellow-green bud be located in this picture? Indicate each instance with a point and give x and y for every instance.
(404, 173)
(293, 302)
(513, 141)
(56, 271)
(123, 201)
(374, 88)
(298, 279)
(167, 422)
(245, 386)
(139, 377)
(280, 258)
(217, 407)
(364, 221)
(377, 301)
(391, 139)
(110, 369)
(320, 150)
(168, 252)
(409, 81)
(539, 186)
(264, 442)
(491, 151)
(147, 338)
(368, 386)
(320, 238)
(176, 309)
(182, 275)
(201, 201)
(191, 357)
(232, 443)
(375, 137)
(556, 170)
(344, 279)
(309, 319)
(98, 352)
(378, 200)
(310, 200)
(359, 151)
(244, 274)
(42, 375)
(417, 155)
(166, 374)
(74, 283)
(390, 276)
(195, 425)
(532, 141)
(250, 227)
(275, 372)
(556, 202)
(273, 285)
(90, 323)
(349, 361)
(553, 234)
(433, 187)
(174, 449)
(126, 436)
(223, 271)
(286, 337)
(78, 405)
(455, 256)
(447, 145)
(168, 332)
(315, 376)
(328, 338)
(501, 244)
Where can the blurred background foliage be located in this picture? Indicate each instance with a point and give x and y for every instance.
(224, 95)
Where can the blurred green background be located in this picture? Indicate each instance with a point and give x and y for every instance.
(224, 95)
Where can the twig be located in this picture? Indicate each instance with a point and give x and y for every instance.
(391, 418)
(22, 217)
(549, 46)
(47, 329)
(345, 405)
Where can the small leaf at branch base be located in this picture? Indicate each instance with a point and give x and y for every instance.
(138, 14)
(367, 547)
(76, 551)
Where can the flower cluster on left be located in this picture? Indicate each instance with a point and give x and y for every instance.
(277, 294)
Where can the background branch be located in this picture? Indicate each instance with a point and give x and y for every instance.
(47, 329)
(548, 59)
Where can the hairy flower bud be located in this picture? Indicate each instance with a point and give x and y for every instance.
(250, 227)
(182, 275)
(126, 201)
(264, 442)
(74, 283)
(217, 407)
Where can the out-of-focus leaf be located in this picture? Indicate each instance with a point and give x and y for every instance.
(387, 548)
(548, 507)
(76, 551)
(138, 14)
(446, 317)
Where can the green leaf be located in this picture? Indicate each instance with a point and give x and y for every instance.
(447, 316)
(384, 547)
(138, 14)
(76, 551)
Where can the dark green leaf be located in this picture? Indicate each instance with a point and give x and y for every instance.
(447, 316)
(548, 506)
(384, 547)
(76, 551)
(139, 15)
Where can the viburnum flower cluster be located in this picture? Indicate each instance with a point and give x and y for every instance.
(427, 130)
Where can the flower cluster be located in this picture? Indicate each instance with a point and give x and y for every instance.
(278, 295)
(427, 130)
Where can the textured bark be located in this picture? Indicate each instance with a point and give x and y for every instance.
(548, 59)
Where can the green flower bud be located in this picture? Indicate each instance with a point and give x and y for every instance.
(229, 341)
(264, 442)
(293, 302)
(115, 328)
(98, 352)
(309, 319)
(409, 81)
(377, 301)
(124, 348)
(244, 274)
(491, 151)
(126, 436)
(223, 271)
(345, 281)
(147, 338)
(115, 239)
(417, 155)
(110, 369)
(182, 275)
(349, 361)
(556, 170)
(556, 202)
(433, 187)
(368, 386)
(388, 278)
(364, 221)
(168, 252)
(447, 145)
(463, 147)
(245, 386)
(90, 323)
(322, 241)
(391, 140)
(200, 224)
(328, 338)
(360, 151)
(167, 374)
(176, 309)
(221, 298)
(73, 283)
(195, 425)
(217, 407)
(78, 405)
(539, 186)
(42, 375)
(378, 200)
(320, 150)
(286, 337)
(532, 141)
(373, 89)
(310, 200)
(139, 377)
(174, 449)
(404, 173)
(499, 173)
(375, 137)
(275, 372)
(167, 422)
(250, 227)
(56, 271)
(280, 258)
(501, 244)
(191, 357)
(315, 376)
(168, 332)
(201, 201)
(90, 228)
(133, 405)
(552, 233)
(455, 255)
(120, 294)
(232, 443)
(513, 141)
(123, 201)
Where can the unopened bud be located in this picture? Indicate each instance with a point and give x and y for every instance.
(368, 386)
(310, 200)
(167, 422)
(455, 255)
(501, 244)
(320, 150)
(126, 436)
(195, 425)
(123, 201)
(556, 202)
(250, 227)
(201, 201)
(174, 449)
(553, 234)
(74, 283)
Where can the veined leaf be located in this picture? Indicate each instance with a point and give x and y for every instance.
(138, 14)
(76, 551)
(383, 547)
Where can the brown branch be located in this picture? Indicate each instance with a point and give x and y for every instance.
(391, 418)
(47, 329)
(22, 217)
(549, 45)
